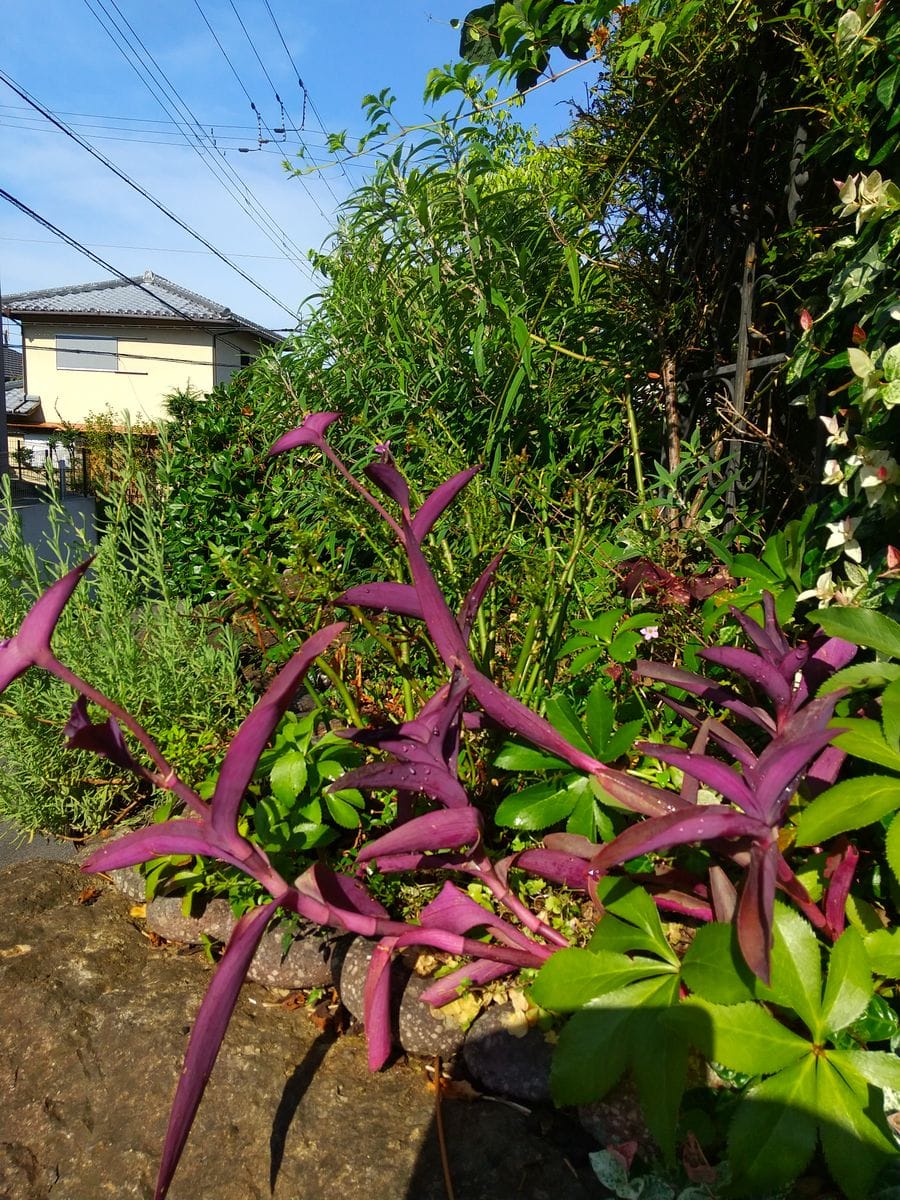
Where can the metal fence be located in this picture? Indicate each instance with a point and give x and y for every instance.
(30, 483)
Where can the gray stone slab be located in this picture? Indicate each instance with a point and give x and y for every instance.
(95, 1022)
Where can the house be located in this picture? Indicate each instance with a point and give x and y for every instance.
(118, 347)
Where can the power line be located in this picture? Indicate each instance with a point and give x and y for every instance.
(252, 103)
(157, 87)
(95, 153)
(307, 99)
(127, 354)
(150, 249)
(76, 245)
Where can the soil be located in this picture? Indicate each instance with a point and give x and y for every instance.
(95, 1022)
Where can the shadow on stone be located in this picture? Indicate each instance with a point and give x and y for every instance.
(294, 1091)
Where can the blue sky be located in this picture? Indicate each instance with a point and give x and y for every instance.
(60, 53)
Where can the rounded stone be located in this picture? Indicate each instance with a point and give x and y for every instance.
(504, 1064)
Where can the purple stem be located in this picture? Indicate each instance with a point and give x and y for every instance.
(484, 868)
(362, 490)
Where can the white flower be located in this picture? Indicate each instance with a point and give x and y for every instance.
(842, 534)
(837, 436)
(649, 632)
(824, 590)
(878, 470)
(833, 473)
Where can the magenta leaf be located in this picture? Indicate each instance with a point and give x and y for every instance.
(345, 892)
(755, 909)
(256, 729)
(377, 1004)
(772, 647)
(472, 602)
(438, 501)
(778, 771)
(572, 843)
(752, 667)
(839, 871)
(706, 689)
(442, 626)
(31, 645)
(206, 1036)
(714, 774)
(386, 476)
(560, 868)
(719, 733)
(398, 598)
(103, 738)
(180, 836)
(310, 433)
(432, 780)
(448, 829)
(476, 973)
(452, 909)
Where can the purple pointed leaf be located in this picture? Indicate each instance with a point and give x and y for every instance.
(824, 771)
(717, 775)
(442, 626)
(434, 781)
(377, 1004)
(699, 824)
(756, 908)
(386, 476)
(180, 836)
(31, 645)
(773, 629)
(345, 892)
(310, 433)
(454, 943)
(206, 1037)
(839, 872)
(565, 869)
(780, 768)
(672, 900)
(457, 912)
(450, 828)
(718, 732)
(438, 501)
(389, 864)
(571, 843)
(828, 655)
(723, 894)
(706, 689)
(103, 738)
(447, 988)
(473, 600)
(397, 598)
(752, 667)
(251, 739)
(772, 649)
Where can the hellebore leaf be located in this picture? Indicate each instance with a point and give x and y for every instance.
(439, 500)
(31, 645)
(450, 828)
(713, 966)
(206, 1037)
(850, 804)
(256, 729)
(796, 968)
(744, 1037)
(310, 433)
(572, 979)
(855, 1136)
(849, 986)
(773, 1135)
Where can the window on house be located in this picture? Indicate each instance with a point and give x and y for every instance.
(84, 352)
(246, 359)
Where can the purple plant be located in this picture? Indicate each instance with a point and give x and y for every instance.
(423, 762)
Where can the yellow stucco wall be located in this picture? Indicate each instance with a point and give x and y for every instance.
(153, 361)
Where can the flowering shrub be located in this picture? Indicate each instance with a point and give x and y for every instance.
(438, 828)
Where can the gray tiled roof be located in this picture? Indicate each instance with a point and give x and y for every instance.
(18, 404)
(143, 296)
(12, 363)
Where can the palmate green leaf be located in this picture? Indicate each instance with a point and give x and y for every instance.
(288, 776)
(743, 1037)
(863, 626)
(542, 804)
(596, 1045)
(621, 937)
(599, 716)
(850, 804)
(714, 966)
(631, 903)
(513, 756)
(861, 675)
(883, 949)
(620, 742)
(575, 978)
(892, 847)
(864, 739)
(773, 1135)
(849, 987)
(855, 1136)
(878, 1067)
(561, 714)
(796, 967)
(659, 1061)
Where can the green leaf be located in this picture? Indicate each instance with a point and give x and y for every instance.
(631, 903)
(342, 812)
(854, 1133)
(849, 987)
(598, 716)
(659, 1063)
(744, 1037)
(621, 741)
(590, 1056)
(288, 776)
(562, 716)
(861, 675)
(773, 1135)
(513, 756)
(883, 949)
(851, 804)
(714, 966)
(574, 978)
(892, 847)
(880, 1068)
(864, 739)
(538, 806)
(863, 626)
(796, 967)
(890, 715)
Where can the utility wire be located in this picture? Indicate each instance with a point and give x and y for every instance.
(76, 245)
(95, 153)
(161, 87)
(307, 99)
(151, 249)
(275, 90)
